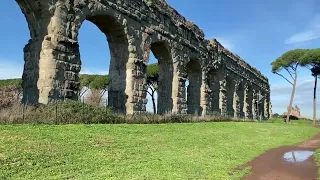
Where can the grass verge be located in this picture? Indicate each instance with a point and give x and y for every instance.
(76, 112)
(128, 151)
(317, 158)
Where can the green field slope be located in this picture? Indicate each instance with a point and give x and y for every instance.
(166, 151)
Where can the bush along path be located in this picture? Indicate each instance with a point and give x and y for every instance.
(287, 162)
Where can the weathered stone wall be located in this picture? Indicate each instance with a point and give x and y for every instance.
(219, 81)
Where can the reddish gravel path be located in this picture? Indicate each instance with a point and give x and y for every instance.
(299, 165)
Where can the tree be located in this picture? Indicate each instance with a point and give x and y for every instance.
(101, 83)
(152, 83)
(289, 62)
(85, 81)
(311, 60)
(98, 84)
(275, 115)
(94, 97)
(10, 82)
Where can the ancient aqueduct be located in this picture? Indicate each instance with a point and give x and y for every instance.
(219, 81)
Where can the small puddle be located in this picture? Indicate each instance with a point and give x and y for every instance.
(297, 156)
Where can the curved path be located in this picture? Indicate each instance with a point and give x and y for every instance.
(287, 162)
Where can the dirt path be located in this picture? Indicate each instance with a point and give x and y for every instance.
(287, 162)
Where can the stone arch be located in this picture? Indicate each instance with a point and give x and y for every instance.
(262, 104)
(240, 103)
(116, 35)
(254, 102)
(230, 87)
(33, 17)
(119, 56)
(53, 58)
(214, 90)
(109, 25)
(194, 74)
(267, 105)
(162, 53)
(258, 103)
(248, 100)
(32, 50)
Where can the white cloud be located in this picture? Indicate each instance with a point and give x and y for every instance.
(10, 70)
(93, 71)
(303, 36)
(310, 33)
(280, 96)
(227, 43)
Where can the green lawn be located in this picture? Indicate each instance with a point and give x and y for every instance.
(166, 151)
(317, 157)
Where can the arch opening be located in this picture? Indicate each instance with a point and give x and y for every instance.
(95, 60)
(163, 97)
(261, 106)
(118, 55)
(194, 76)
(230, 96)
(254, 103)
(214, 86)
(248, 100)
(241, 94)
(152, 84)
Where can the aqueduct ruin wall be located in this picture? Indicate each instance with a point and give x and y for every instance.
(219, 81)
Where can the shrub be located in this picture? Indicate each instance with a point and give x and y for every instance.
(75, 112)
(69, 112)
(94, 98)
(9, 95)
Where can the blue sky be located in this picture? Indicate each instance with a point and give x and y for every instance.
(258, 31)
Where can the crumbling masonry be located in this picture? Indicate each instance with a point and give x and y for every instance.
(219, 81)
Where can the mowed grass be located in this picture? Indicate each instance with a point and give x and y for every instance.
(165, 151)
(317, 159)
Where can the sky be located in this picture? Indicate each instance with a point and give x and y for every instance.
(258, 31)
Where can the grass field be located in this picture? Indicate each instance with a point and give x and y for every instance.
(165, 151)
(317, 157)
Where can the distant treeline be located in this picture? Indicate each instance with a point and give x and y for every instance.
(11, 89)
